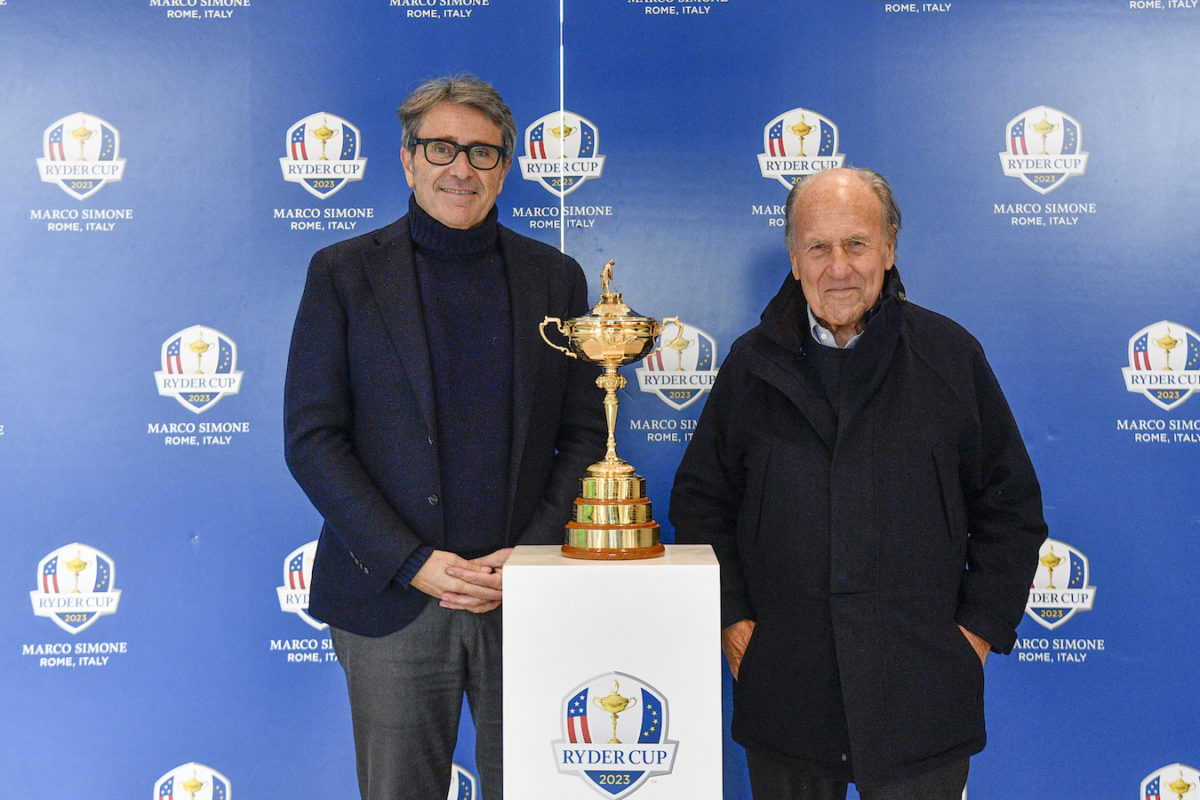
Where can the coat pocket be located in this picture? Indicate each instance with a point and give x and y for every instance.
(945, 463)
(757, 466)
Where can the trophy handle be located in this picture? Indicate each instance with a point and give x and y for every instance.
(558, 324)
(662, 326)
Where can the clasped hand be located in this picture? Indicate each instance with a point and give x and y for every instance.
(466, 585)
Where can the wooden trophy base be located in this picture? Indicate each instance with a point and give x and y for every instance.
(616, 543)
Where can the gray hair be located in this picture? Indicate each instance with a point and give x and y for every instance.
(877, 183)
(464, 90)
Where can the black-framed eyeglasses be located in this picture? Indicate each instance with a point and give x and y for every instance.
(441, 152)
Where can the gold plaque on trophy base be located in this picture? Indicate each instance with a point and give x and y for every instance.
(612, 521)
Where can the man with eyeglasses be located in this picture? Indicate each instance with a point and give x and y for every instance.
(433, 431)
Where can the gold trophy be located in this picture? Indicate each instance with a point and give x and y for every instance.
(612, 514)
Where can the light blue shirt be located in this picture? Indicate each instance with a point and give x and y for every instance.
(825, 336)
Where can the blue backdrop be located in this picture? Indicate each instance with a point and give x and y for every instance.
(162, 193)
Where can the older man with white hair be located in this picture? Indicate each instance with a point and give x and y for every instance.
(876, 516)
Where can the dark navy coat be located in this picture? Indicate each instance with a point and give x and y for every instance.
(859, 541)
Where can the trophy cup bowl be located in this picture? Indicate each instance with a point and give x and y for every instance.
(612, 518)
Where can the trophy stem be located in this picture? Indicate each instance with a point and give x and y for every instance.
(612, 464)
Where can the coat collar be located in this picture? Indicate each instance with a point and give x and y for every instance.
(785, 319)
(779, 354)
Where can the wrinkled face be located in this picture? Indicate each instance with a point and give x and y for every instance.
(457, 194)
(841, 248)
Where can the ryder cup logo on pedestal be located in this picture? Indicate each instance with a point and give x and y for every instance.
(562, 151)
(1173, 781)
(463, 785)
(75, 587)
(798, 143)
(1164, 364)
(81, 155)
(198, 368)
(194, 782)
(297, 575)
(682, 369)
(630, 717)
(1060, 585)
(1045, 147)
(322, 154)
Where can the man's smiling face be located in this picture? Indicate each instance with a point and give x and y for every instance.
(457, 194)
(841, 249)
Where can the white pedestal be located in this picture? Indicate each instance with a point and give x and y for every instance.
(640, 634)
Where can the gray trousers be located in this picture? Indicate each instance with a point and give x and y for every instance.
(406, 692)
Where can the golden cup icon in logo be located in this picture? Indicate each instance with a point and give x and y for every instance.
(82, 134)
(612, 513)
(199, 347)
(1050, 561)
(76, 565)
(193, 785)
(324, 133)
(1167, 343)
(614, 704)
(801, 129)
(1045, 128)
(1180, 787)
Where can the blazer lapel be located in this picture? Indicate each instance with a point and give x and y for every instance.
(393, 278)
(529, 299)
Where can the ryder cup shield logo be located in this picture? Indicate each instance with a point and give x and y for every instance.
(1060, 585)
(562, 151)
(75, 587)
(198, 368)
(81, 154)
(322, 154)
(1164, 364)
(682, 369)
(1045, 147)
(798, 143)
(192, 782)
(615, 734)
(1170, 782)
(463, 785)
(297, 576)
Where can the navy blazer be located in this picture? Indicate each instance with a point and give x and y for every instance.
(360, 425)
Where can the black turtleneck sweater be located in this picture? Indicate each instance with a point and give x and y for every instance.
(468, 323)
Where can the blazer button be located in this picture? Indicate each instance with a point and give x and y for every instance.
(433, 500)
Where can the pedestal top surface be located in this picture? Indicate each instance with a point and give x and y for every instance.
(550, 555)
